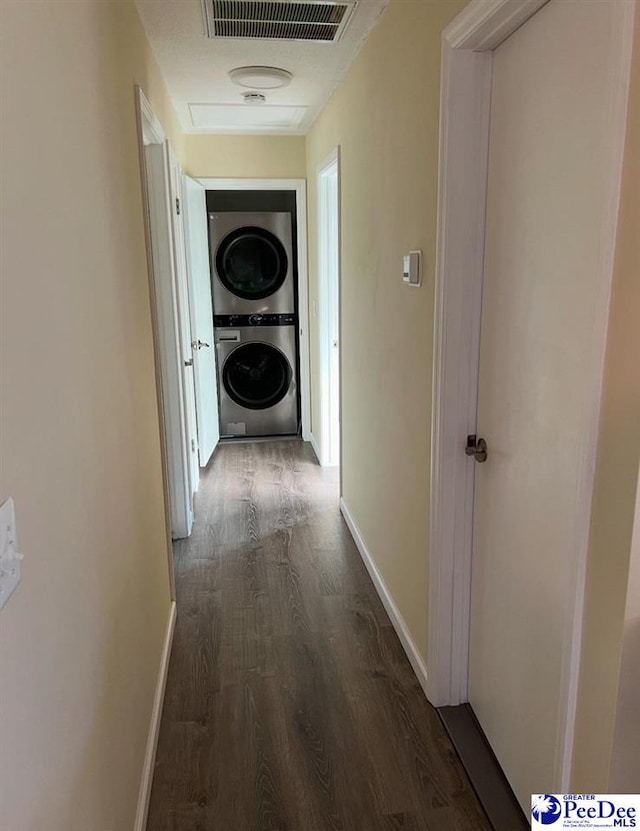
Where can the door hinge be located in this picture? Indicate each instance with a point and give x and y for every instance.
(178, 205)
(193, 445)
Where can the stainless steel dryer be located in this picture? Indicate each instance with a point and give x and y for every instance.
(257, 375)
(252, 264)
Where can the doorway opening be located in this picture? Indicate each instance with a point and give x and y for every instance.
(328, 183)
(185, 340)
(251, 222)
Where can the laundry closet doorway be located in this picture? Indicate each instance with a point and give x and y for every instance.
(226, 252)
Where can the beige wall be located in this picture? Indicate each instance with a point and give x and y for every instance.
(625, 758)
(81, 638)
(616, 481)
(384, 116)
(245, 157)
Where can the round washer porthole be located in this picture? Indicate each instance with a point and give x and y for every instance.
(251, 263)
(256, 376)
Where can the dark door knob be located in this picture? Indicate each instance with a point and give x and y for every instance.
(476, 447)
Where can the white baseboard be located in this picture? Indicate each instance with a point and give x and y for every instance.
(316, 447)
(154, 726)
(399, 624)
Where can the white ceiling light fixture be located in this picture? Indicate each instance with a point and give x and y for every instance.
(260, 77)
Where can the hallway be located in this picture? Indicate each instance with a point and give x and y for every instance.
(290, 703)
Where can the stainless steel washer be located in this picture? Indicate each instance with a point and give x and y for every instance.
(257, 380)
(252, 264)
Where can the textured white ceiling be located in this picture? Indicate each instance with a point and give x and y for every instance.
(195, 69)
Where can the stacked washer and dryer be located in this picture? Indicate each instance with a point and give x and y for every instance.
(253, 275)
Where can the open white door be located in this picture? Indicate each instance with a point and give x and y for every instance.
(329, 308)
(182, 293)
(199, 287)
(157, 175)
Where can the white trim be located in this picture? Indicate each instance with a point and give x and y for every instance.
(399, 624)
(464, 135)
(484, 24)
(303, 310)
(300, 188)
(316, 447)
(154, 725)
(464, 127)
(149, 131)
(152, 131)
(154, 152)
(332, 158)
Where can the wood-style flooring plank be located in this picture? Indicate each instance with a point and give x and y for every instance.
(290, 704)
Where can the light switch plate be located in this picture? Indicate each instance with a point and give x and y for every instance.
(412, 268)
(10, 557)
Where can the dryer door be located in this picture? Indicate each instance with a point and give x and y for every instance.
(257, 376)
(251, 263)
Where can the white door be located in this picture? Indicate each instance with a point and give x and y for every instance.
(551, 168)
(161, 206)
(329, 309)
(182, 294)
(201, 309)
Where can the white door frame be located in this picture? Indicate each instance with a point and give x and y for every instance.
(166, 329)
(327, 305)
(300, 188)
(467, 58)
(149, 131)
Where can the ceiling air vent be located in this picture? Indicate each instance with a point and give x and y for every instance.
(304, 20)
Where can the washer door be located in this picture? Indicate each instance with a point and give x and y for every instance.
(256, 376)
(251, 263)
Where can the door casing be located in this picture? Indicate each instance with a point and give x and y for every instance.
(158, 219)
(150, 131)
(467, 47)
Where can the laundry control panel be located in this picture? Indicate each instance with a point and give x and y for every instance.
(257, 319)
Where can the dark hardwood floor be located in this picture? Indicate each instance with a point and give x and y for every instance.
(290, 705)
